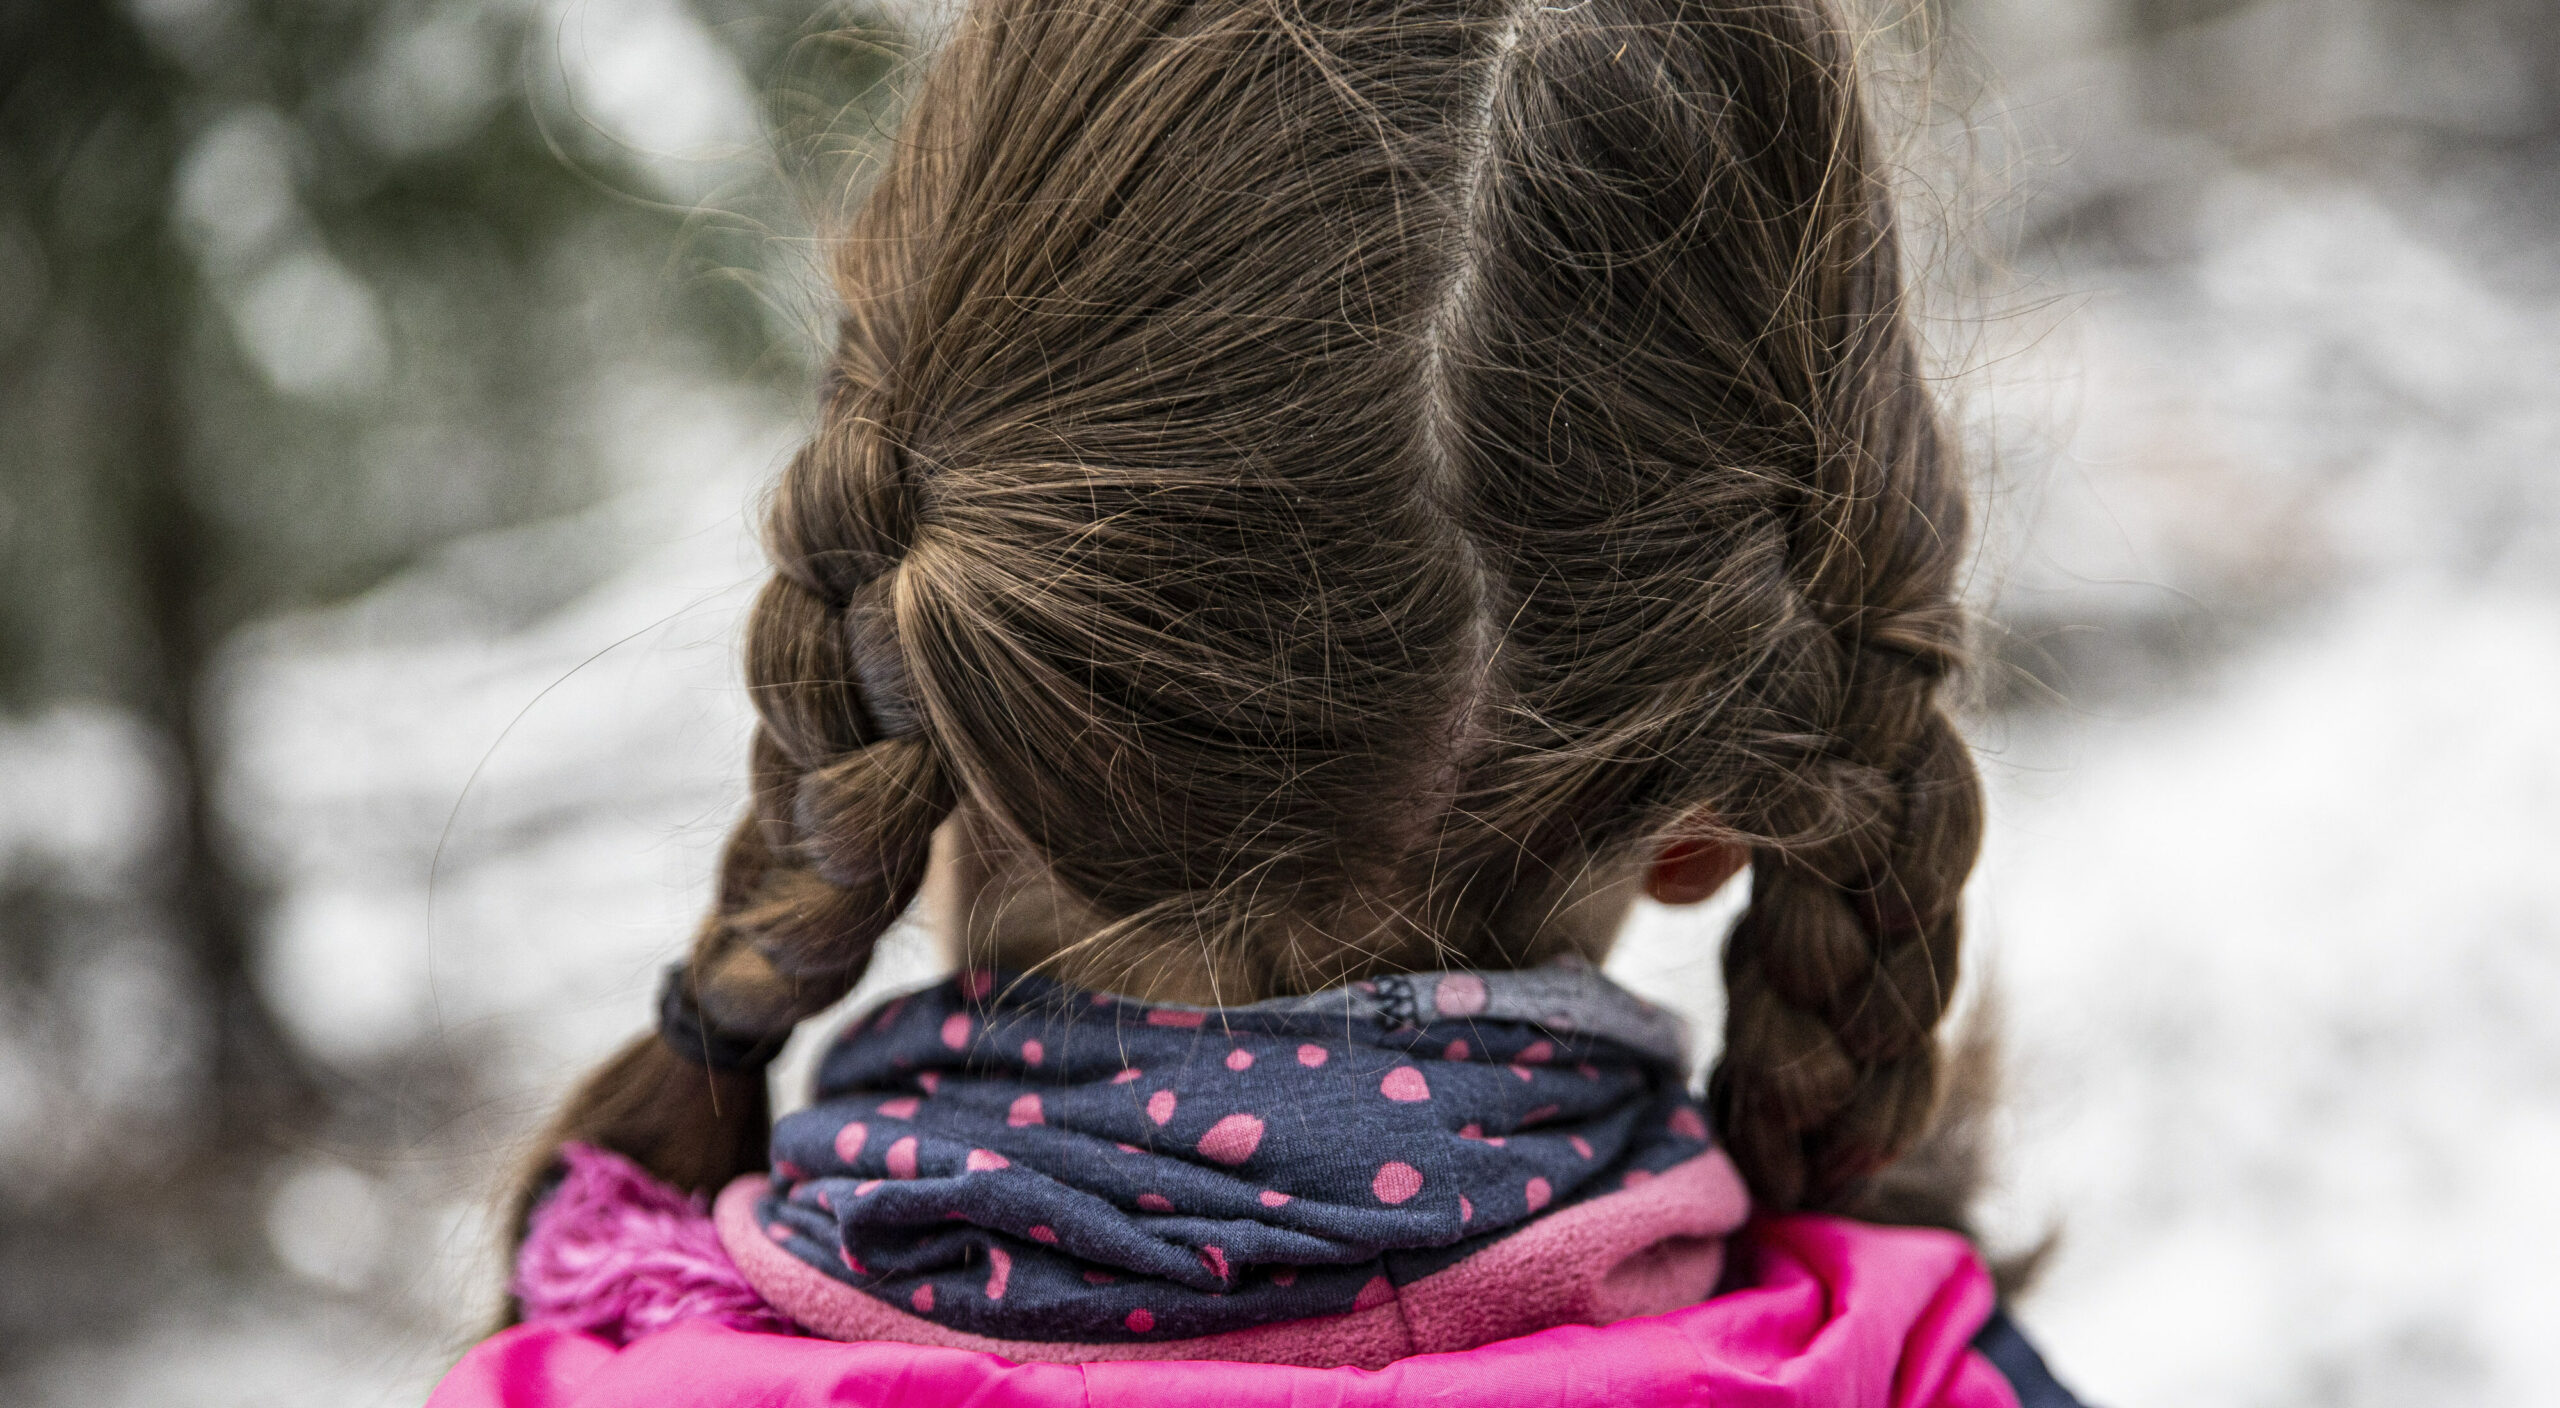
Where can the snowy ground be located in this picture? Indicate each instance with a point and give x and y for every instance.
(2268, 894)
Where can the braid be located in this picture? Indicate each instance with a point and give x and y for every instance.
(848, 790)
(1839, 972)
(848, 786)
(1836, 978)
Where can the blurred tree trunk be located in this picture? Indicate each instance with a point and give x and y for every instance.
(83, 92)
(261, 1085)
(193, 199)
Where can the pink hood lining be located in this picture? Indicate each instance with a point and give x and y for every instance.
(617, 1253)
(1643, 1250)
(1842, 1315)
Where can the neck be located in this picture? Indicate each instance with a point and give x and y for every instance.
(999, 906)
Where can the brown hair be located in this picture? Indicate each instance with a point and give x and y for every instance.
(1324, 475)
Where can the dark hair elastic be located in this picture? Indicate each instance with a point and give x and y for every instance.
(682, 1027)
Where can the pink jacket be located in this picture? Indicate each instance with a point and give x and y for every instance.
(1841, 1315)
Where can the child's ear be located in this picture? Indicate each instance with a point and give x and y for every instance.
(1689, 871)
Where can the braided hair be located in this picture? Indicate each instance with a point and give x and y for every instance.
(1322, 477)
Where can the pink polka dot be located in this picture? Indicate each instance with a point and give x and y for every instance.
(1466, 1209)
(1274, 1199)
(863, 1189)
(1033, 1052)
(999, 1271)
(1540, 1115)
(1128, 1148)
(1588, 1071)
(955, 1030)
(922, 1300)
(902, 1108)
(1127, 1075)
(1140, 1320)
(1377, 1293)
(1456, 1051)
(850, 1263)
(1405, 1085)
(1459, 995)
(1043, 1232)
(1538, 1053)
(902, 1158)
(1239, 1059)
(826, 1202)
(889, 1014)
(1167, 1017)
(1523, 1072)
(1582, 1146)
(1215, 1258)
(777, 1232)
(1638, 1177)
(849, 1140)
(1025, 1110)
(1539, 1193)
(1396, 1182)
(979, 982)
(1231, 1140)
(1311, 1055)
(931, 1081)
(1686, 1123)
(1155, 1202)
(787, 1171)
(1471, 1130)
(1285, 1276)
(1102, 999)
(1098, 1278)
(987, 1161)
(1160, 1106)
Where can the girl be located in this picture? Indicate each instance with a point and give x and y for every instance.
(1318, 503)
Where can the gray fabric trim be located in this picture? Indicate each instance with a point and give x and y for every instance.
(1568, 995)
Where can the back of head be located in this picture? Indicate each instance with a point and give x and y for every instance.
(1321, 478)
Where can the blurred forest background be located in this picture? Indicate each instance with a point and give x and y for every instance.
(384, 391)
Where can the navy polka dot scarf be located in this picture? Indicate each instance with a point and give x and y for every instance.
(1015, 1158)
